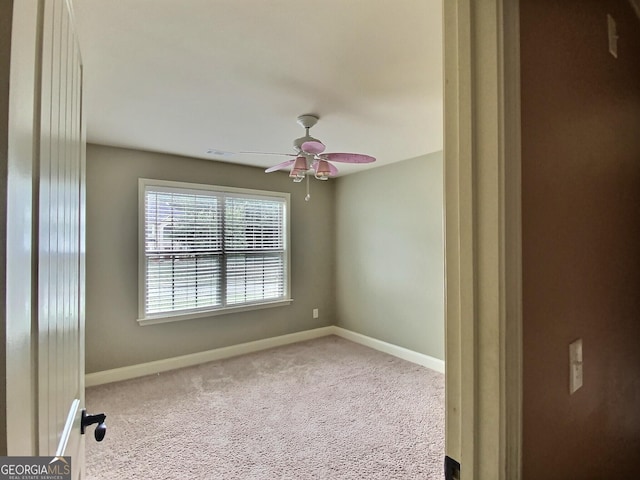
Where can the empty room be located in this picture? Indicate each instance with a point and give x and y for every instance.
(259, 303)
(228, 215)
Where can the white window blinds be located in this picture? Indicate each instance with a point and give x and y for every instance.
(254, 246)
(209, 249)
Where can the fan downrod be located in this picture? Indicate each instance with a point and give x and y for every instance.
(307, 121)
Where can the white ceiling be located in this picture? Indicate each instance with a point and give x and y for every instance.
(185, 76)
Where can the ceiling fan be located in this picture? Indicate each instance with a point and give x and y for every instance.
(310, 156)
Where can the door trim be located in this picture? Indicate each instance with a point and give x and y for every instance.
(483, 238)
(21, 361)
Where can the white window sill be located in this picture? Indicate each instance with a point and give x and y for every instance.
(165, 318)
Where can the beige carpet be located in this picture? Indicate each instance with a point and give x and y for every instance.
(323, 409)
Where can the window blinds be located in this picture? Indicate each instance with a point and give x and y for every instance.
(207, 250)
(254, 245)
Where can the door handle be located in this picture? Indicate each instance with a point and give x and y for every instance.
(101, 429)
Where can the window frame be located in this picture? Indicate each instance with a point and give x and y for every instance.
(164, 317)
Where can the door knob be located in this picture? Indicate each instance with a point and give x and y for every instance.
(101, 429)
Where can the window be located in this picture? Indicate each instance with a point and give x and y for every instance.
(206, 250)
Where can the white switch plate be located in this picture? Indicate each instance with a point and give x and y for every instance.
(315, 313)
(575, 366)
(612, 35)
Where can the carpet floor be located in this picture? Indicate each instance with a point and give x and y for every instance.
(323, 409)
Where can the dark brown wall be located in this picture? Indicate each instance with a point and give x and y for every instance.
(581, 239)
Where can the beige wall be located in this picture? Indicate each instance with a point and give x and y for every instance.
(390, 254)
(581, 239)
(113, 337)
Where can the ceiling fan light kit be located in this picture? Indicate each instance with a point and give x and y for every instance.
(299, 169)
(323, 170)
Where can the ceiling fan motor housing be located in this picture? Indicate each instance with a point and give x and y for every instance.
(297, 143)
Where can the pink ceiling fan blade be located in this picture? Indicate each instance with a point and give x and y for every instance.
(313, 146)
(349, 157)
(280, 166)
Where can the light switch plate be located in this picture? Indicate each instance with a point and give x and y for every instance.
(612, 34)
(575, 366)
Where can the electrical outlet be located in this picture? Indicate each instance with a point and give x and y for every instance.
(315, 313)
(575, 366)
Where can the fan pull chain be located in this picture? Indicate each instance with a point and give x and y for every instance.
(306, 199)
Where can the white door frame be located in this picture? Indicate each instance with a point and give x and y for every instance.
(21, 399)
(483, 238)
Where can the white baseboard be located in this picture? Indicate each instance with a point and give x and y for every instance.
(400, 352)
(158, 366)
